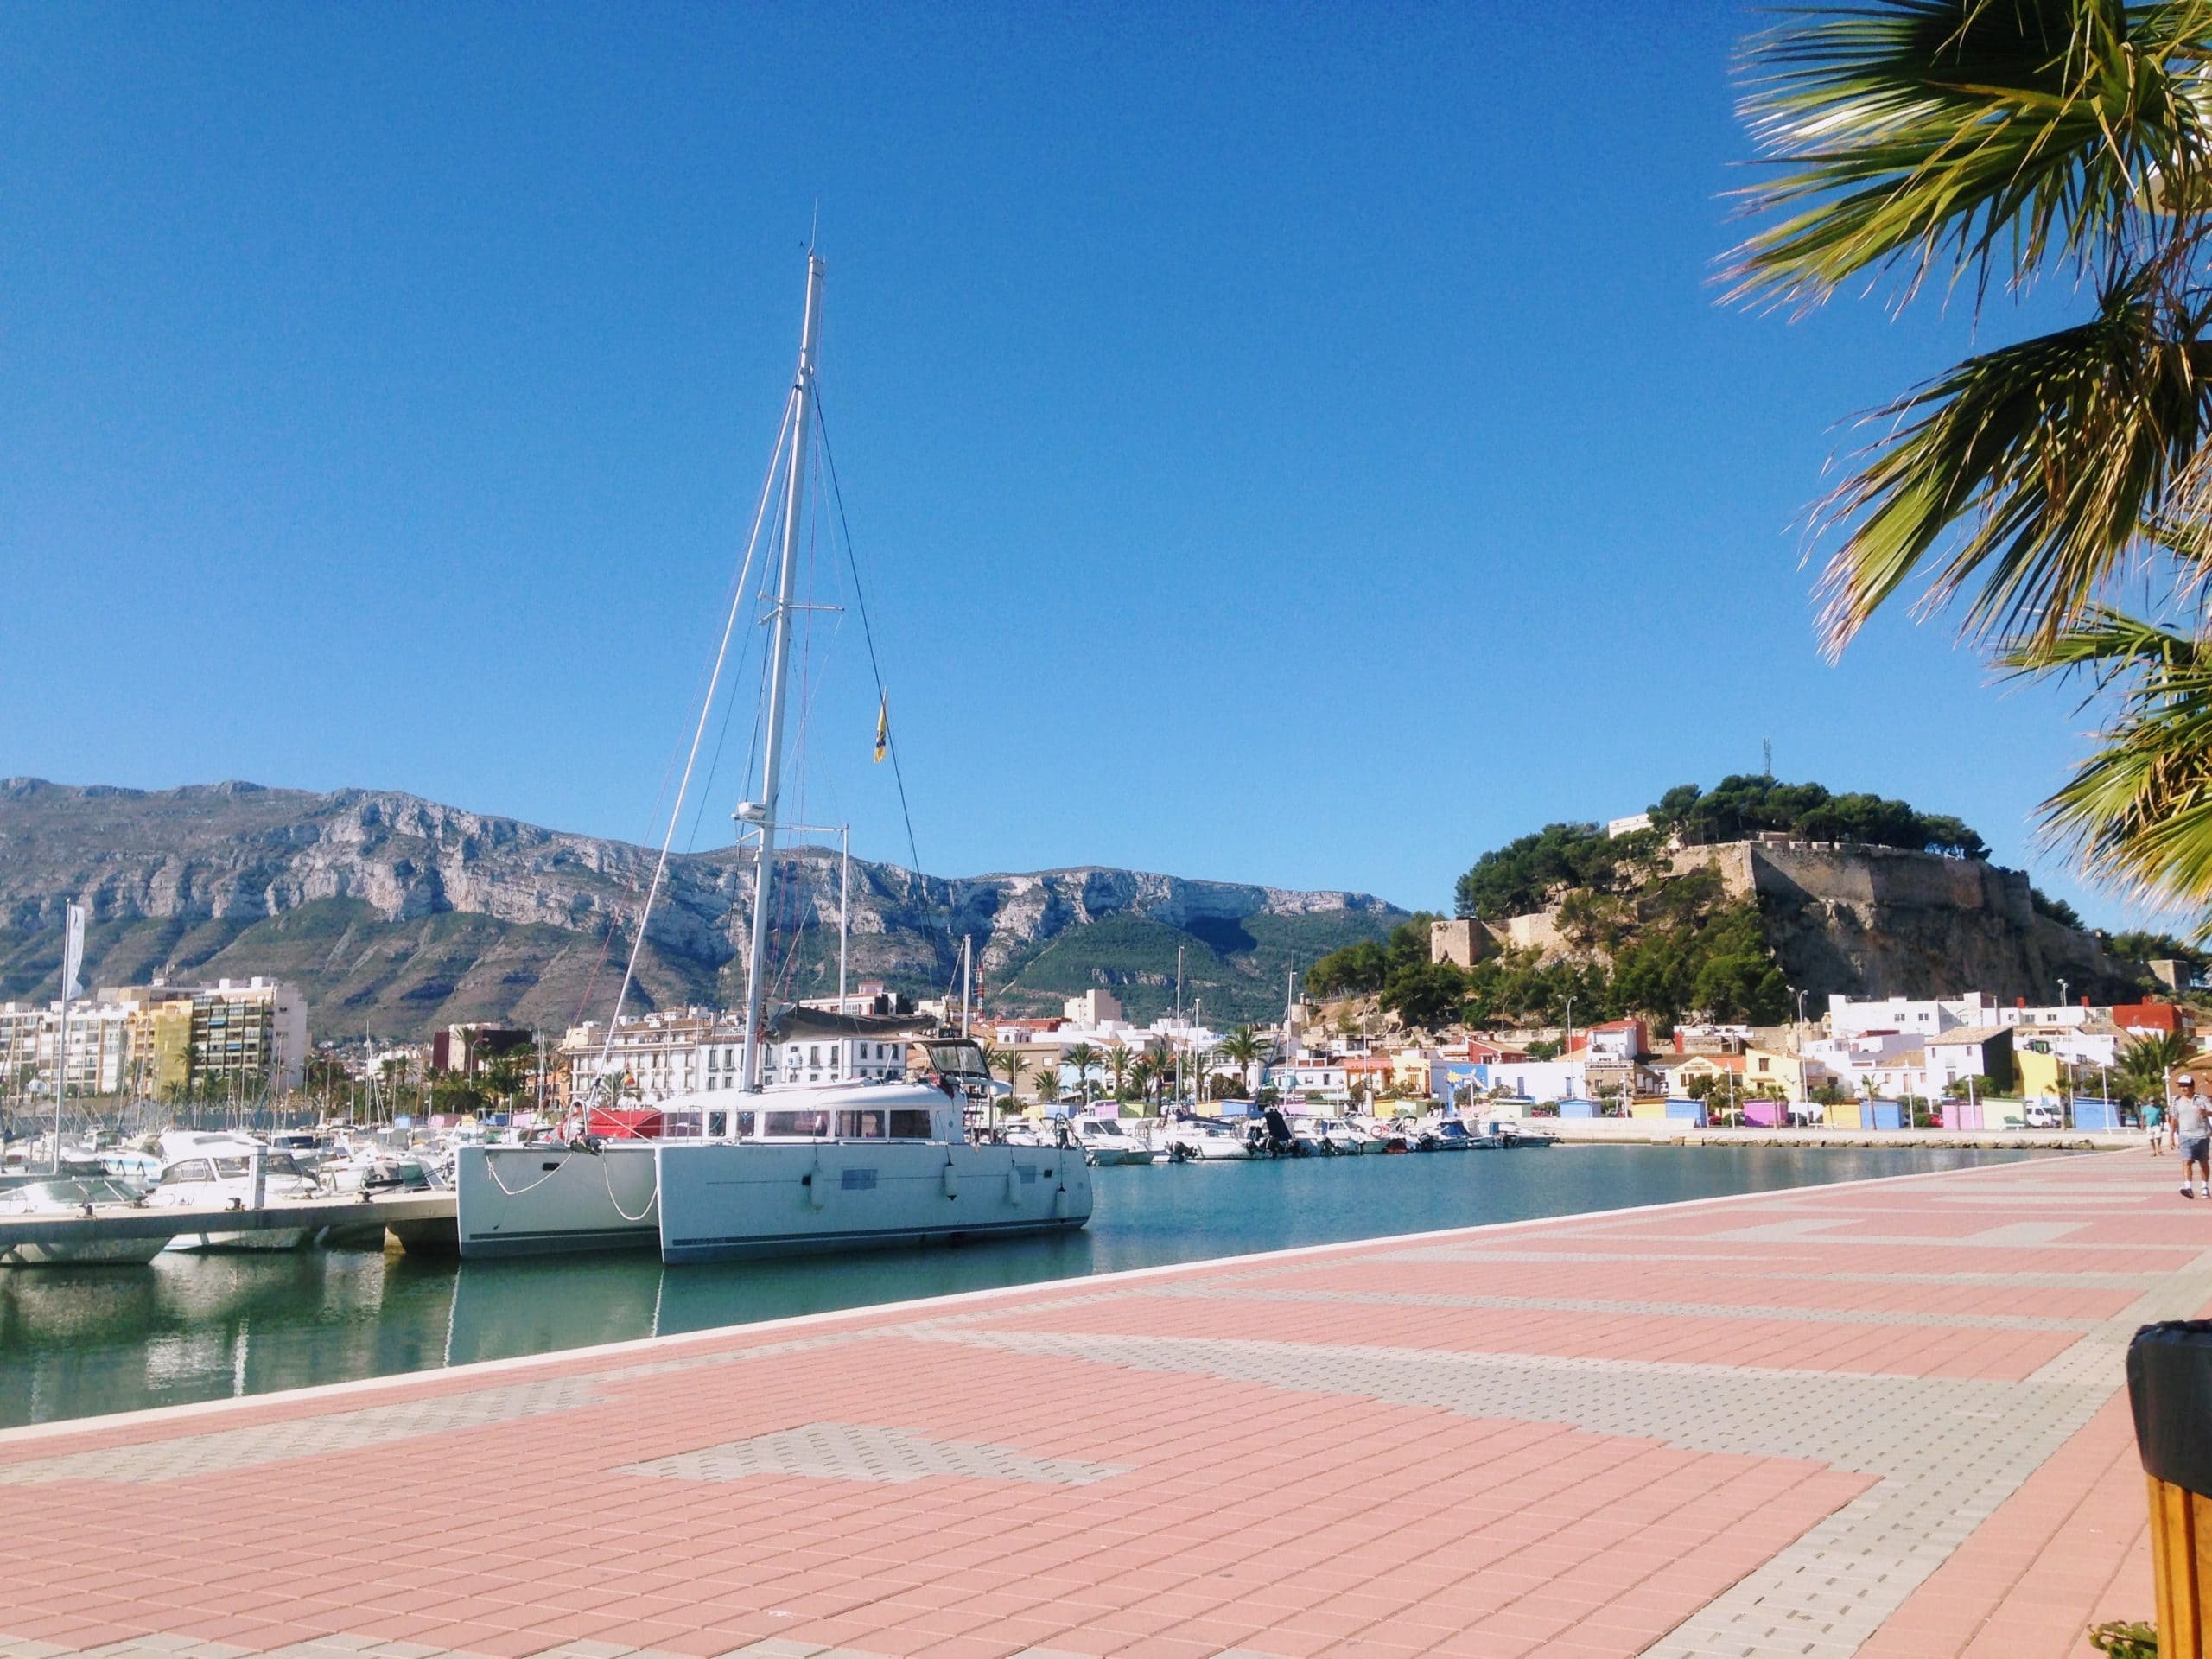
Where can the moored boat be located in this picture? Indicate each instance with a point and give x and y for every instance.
(88, 1196)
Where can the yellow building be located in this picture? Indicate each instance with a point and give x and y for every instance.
(2037, 1074)
(1798, 1077)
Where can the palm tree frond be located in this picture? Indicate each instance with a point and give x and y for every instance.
(1910, 131)
(2047, 462)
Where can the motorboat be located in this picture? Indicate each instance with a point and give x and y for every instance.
(86, 1196)
(1203, 1140)
(1381, 1134)
(1511, 1132)
(1107, 1144)
(1334, 1137)
(217, 1171)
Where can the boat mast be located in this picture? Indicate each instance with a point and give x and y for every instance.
(761, 814)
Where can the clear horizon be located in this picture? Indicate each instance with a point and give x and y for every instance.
(1301, 445)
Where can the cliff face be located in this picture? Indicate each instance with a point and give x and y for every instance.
(401, 914)
(1874, 921)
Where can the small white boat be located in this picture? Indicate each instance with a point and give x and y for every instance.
(1200, 1140)
(1107, 1144)
(216, 1172)
(88, 1196)
(1333, 1136)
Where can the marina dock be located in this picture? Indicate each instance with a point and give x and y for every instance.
(1884, 1419)
(424, 1221)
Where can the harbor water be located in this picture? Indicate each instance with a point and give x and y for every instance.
(84, 1341)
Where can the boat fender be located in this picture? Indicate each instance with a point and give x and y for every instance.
(818, 1189)
(1059, 1201)
(951, 1180)
(1012, 1187)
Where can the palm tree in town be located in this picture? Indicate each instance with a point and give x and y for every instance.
(1084, 1058)
(1244, 1048)
(1984, 146)
(2146, 1062)
(1116, 1062)
(1145, 1075)
(1048, 1080)
(1007, 1062)
(1163, 1071)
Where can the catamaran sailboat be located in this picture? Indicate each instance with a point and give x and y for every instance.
(795, 1167)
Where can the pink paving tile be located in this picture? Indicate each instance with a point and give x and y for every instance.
(1356, 1526)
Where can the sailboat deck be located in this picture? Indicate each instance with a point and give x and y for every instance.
(1882, 1418)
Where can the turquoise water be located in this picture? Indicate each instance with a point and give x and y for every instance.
(80, 1342)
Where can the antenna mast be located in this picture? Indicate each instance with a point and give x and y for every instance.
(761, 814)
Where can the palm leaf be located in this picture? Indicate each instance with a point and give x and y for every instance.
(2042, 462)
(1915, 129)
(2138, 809)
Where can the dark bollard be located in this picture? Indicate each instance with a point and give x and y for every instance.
(2170, 1386)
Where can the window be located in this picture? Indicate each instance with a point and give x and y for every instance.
(910, 1125)
(814, 1054)
(798, 1122)
(860, 1126)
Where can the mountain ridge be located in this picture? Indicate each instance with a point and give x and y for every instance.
(402, 912)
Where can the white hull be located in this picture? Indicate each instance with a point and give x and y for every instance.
(555, 1200)
(698, 1201)
(719, 1202)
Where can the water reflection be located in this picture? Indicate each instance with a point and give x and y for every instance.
(77, 1342)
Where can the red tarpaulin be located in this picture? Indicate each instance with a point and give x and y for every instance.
(625, 1123)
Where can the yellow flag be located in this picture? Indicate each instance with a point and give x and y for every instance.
(883, 727)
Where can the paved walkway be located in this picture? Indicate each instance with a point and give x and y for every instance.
(1879, 1419)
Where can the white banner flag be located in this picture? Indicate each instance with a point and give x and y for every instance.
(72, 953)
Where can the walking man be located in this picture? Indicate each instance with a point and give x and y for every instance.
(2193, 1122)
(2152, 1113)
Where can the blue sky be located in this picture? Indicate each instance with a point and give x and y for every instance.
(1296, 445)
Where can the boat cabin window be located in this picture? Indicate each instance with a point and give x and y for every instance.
(910, 1125)
(860, 1126)
(796, 1122)
(192, 1169)
(962, 1058)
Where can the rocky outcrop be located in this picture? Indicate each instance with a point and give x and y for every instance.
(383, 882)
(1878, 921)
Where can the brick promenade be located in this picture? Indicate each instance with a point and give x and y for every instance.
(1881, 1419)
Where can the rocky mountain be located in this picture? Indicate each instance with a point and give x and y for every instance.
(397, 914)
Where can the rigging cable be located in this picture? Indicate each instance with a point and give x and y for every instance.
(699, 731)
(867, 632)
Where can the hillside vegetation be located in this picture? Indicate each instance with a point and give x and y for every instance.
(1523, 875)
(1623, 933)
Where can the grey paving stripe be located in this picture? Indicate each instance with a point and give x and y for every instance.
(865, 1452)
(1631, 1309)
(1945, 1453)
(1480, 1252)
(252, 1446)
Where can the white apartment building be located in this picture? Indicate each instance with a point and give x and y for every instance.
(249, 1034)
(661, 1055)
